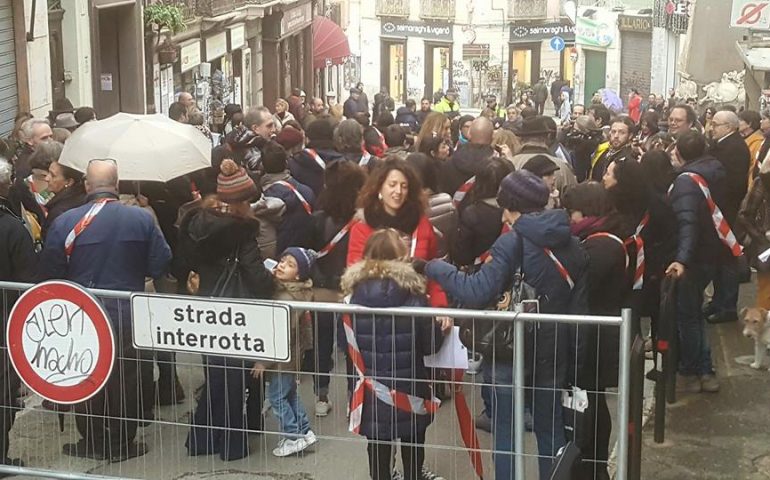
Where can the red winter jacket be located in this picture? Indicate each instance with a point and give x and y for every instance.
(426, 248)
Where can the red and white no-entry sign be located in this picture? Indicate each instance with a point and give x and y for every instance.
(751, 14)
(60, 342)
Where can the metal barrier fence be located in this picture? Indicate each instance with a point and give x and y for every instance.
(162, 416)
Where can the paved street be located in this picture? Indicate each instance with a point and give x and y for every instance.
(719, 436)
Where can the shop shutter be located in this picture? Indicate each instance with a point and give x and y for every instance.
(9, 97)
(635, 63)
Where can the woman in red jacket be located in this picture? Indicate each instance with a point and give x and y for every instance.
(393, 198)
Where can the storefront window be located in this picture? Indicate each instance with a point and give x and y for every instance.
(397, 66)
(522, 66)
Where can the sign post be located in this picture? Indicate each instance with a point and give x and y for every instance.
(60, 342)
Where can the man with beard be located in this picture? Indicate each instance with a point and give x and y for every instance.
(621, 133)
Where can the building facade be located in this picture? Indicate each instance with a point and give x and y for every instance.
(415, 48)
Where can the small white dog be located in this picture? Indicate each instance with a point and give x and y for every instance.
(756, 325)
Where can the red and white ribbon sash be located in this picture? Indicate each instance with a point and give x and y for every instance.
(83, 223)
(461, 192)
(299, 196)
(638, 241)
(314, 155)
(484, 256)
(336, 239)
(724, 231)
(399, 400)
(561, 268)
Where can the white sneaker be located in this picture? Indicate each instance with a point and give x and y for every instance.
(426, 474)
(288, 447)
(310, 438)
(322, 408)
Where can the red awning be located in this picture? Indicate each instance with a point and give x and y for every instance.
(330, 44)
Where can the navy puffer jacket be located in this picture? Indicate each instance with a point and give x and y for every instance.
(524, 245)
(392, 347)
(698, 241)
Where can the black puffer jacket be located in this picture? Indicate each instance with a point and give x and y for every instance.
(392, 347)
(607, 289)
(697, 237)
(467, 161)
(479, 226)
(308, 171)
(207, 239)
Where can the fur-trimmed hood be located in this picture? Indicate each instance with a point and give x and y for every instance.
(401, 273)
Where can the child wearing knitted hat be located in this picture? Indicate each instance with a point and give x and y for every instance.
(292, 282)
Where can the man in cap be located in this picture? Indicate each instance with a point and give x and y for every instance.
(449, 105)
(536, 135)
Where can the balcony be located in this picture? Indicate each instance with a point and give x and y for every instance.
(437, 10)
(392, 8)
(527, 9)
(213, 8)
(188, 9)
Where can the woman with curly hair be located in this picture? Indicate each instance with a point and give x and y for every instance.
(393, 197)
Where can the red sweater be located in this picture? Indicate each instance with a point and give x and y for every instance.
(425, 247)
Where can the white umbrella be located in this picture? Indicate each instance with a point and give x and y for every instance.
(145, 147)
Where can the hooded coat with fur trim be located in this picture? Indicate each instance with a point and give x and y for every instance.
(392, 347)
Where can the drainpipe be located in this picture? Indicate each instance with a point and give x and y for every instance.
(503, 73)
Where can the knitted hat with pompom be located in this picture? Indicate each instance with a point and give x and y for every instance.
(233, 184)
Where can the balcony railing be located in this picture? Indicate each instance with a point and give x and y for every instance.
(527, 9)
(437, 10)
(392, 8)
(188, 7)
(213, 8)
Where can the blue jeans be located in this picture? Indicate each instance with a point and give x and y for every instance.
(286, 404)
(726, 288)
(694, 349)
(548, 422)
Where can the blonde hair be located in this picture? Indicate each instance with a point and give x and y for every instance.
(385, 244)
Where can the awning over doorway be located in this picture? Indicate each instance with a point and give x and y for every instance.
(330, 44)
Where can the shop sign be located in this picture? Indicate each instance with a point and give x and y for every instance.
(296, 18)
(542, 31)
(237, 36)
(594, 33)
(190, 55)
(634, 23)
(216, 46)
(673, 15)
(476, 51)
(406, 28)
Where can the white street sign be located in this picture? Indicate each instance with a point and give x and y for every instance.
(754, 14)
(227, 327)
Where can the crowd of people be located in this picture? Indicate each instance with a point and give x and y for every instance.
(430, 207)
